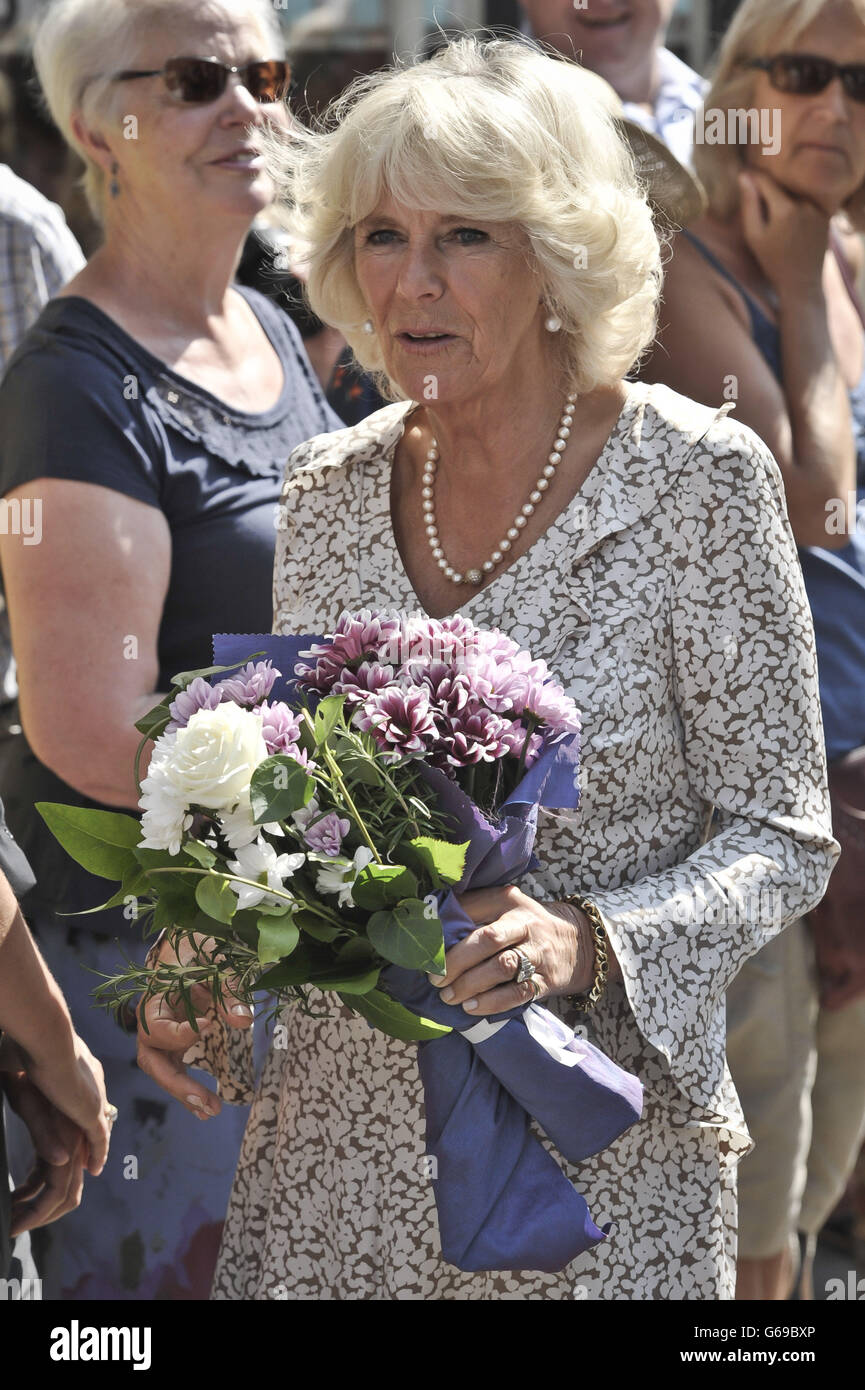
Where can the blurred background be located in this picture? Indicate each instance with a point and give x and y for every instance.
(330, 43)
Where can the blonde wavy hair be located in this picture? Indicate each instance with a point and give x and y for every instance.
(79, 44)
(495, 130)
(760, 29)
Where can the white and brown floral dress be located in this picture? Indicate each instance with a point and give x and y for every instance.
(668, 598)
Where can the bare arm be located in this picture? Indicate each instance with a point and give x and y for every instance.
(42, 1049)
(85, 606)
(705, 350)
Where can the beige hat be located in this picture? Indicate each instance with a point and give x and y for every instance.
(675, 194)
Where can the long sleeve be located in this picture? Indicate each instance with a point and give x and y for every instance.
(745, 678)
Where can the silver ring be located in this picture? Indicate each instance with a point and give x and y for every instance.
(537, 987)
(111, 1113)
(526, 968)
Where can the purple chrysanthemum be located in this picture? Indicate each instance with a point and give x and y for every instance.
(356, 685)
(251, 685)
(475, 735)
(401, 721)
(449, 690)
(199, 694)
(325, 836)
(514, 739)
(361, 637)
(547, 702)
(280, 728)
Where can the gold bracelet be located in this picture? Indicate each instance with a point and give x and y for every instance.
(588, 1000)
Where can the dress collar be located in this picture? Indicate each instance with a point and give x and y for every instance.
(641, 460)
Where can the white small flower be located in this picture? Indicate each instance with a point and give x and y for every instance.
(338, 875)
(259, 861)
(240, 829)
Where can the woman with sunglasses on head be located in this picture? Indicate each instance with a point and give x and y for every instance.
(145, 422)
(772, 267)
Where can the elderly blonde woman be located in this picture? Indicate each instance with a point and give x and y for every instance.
(476, 231)
(773, 267)
(144, 425)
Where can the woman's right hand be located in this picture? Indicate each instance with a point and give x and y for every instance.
(169, 1034)
(787, 236)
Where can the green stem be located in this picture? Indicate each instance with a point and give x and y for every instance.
(337, 776)
(399, 796)
(315, 907)
(532, 725)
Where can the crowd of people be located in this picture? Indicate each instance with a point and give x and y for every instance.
(668, 331)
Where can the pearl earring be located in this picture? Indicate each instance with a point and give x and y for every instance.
(552, 324)
(114, 186)
(368, 326)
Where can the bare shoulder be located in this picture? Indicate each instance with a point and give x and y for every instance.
(690, 277)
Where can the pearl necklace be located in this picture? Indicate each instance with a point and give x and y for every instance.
(475, 576)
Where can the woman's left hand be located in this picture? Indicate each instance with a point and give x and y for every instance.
(481, 968)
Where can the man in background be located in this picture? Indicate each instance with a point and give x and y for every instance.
(623, 41)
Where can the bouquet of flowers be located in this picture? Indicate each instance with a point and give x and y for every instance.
(309, 832)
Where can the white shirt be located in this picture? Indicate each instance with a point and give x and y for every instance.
(680, 93)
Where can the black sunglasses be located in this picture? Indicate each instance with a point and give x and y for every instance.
(804, 74)
(203, 80)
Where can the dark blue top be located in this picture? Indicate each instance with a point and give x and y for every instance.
(83, 400)
(834, 579)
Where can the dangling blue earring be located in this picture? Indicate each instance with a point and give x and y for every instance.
(114, 186)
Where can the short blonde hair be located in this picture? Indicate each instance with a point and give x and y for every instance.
(760, 29)
(80, 43)
(497, 130)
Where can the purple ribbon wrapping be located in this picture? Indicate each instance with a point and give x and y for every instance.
(503, 1202)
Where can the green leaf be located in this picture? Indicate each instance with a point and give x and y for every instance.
(117, 899)
(202, 854)
(154, 722)
(280, 909)
(278, 787)
(313, 926)
(216, 898)
(356, 764)
(276, 939)
(186, 678)
(176, 891)
(327, 717)
(164, 918)
(443, 862)
(135, 885)
(346, 981)
(381, 885)
(100, 841)
(307, 957)
(244, 925)
(352, 970)
(392, 1018)
(408, 936)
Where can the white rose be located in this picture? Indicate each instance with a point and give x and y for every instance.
(214, 757)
